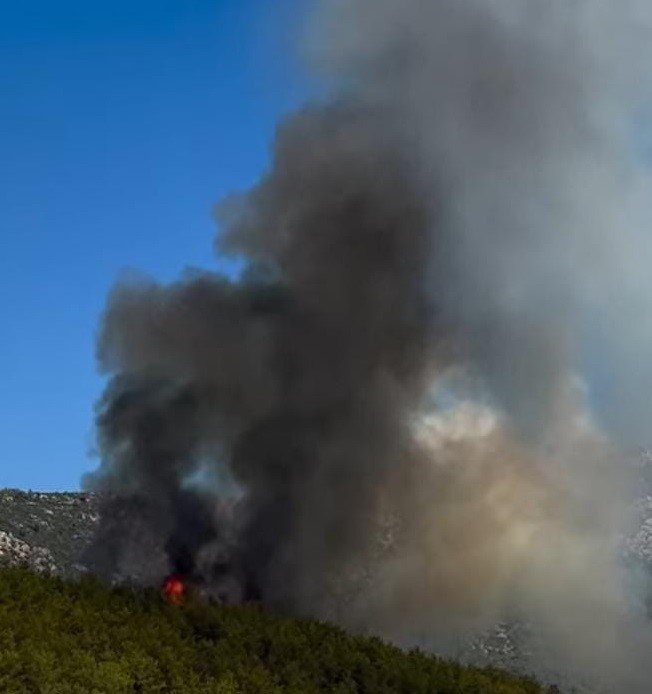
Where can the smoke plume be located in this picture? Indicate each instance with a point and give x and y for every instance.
(406, 414)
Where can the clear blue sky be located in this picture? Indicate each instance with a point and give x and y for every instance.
(121, 123)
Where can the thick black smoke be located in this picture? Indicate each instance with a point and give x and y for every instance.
(384, 420)
(298, 381)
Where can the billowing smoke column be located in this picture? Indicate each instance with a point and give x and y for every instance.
(386, 420)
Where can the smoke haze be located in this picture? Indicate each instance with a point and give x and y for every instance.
(406, 415)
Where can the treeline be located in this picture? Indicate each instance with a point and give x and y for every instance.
(60, 637)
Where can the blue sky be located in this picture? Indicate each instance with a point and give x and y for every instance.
(121, 124)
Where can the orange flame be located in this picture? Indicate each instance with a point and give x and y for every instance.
(173, 589)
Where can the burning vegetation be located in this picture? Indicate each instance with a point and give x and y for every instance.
(174, 589)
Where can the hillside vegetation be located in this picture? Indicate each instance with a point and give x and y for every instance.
(60, 637)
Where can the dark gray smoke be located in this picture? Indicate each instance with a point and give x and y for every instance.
(298, 381)
(385, 421)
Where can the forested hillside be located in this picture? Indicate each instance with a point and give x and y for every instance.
(80, 637)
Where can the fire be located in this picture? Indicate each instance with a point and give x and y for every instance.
(173, 589)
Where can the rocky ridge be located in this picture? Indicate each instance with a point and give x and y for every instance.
(47, 531)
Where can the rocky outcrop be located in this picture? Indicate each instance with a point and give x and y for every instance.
(15, 552)
(638, 545)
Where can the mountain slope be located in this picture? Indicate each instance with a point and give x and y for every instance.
(58, 636)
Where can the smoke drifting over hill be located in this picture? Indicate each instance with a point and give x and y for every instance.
(444, 258)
